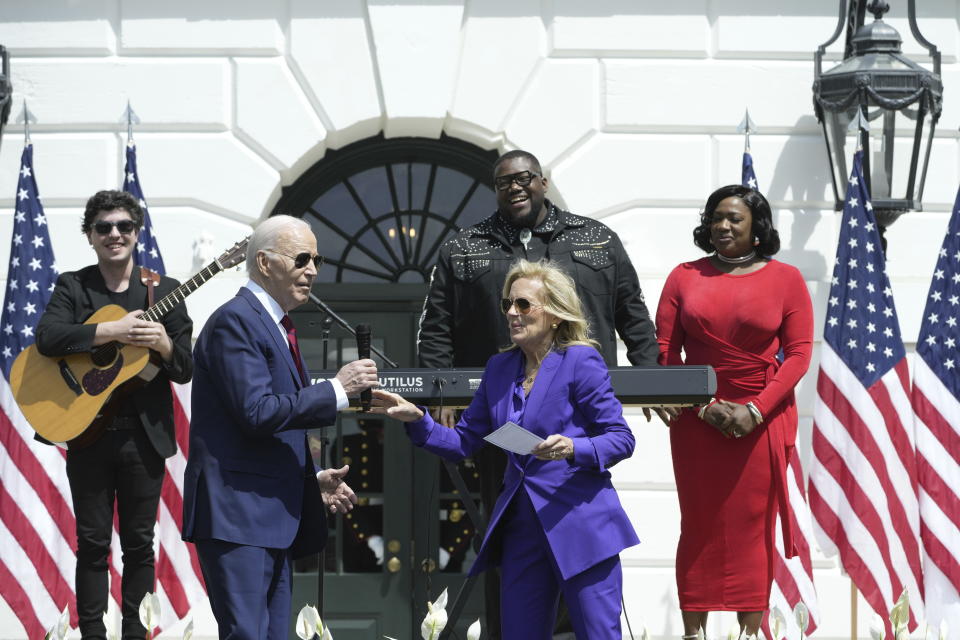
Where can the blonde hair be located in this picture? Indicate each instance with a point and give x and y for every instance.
(559, 298)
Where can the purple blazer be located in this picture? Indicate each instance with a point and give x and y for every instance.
(575, 501)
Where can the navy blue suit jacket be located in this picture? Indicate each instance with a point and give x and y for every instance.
(250, 478)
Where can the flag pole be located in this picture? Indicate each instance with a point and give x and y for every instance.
(131, 118)
(853, 610)
(862, 126)
(26, 117)
(746, 127)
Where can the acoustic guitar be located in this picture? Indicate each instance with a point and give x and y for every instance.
(63, 397)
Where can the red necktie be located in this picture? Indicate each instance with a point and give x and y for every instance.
(287, 324)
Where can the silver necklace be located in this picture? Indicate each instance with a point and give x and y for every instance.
(740, 260)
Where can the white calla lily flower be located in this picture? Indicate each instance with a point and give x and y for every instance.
(473, 633)
(61, 627)
(308, 622)
(802, 615)
(109, 623)
(877, 627)
(778, 624)
(900, 613)
(436, 618)
(150, 612)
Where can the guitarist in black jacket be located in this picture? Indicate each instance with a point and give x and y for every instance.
(126, 462)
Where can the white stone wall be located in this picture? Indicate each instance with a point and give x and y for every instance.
(239, 97)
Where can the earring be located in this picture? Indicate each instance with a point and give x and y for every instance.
(756, 241)
(554, 326)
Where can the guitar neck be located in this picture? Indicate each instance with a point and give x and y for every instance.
(168, 302)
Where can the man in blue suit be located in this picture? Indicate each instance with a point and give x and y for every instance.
(253, 499)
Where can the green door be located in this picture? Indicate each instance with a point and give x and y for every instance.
(409, 538)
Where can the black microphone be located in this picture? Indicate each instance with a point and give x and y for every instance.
(363, 352)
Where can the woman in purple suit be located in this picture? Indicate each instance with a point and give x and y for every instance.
(558, 525)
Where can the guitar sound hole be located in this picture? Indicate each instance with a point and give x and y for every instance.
(104, 355)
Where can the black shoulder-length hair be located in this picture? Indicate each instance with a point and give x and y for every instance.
(762, 226)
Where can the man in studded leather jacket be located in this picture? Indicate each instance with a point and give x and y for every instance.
(462, 326)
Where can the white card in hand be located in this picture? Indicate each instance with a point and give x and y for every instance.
(513, 437)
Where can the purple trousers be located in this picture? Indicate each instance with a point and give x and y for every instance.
(531, 583)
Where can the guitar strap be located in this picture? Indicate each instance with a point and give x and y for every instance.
(150, 279)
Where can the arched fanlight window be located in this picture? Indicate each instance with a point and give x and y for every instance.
(381, 208)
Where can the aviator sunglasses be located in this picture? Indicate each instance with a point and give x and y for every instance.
(301, 259)
(123, 226)
(523, 305)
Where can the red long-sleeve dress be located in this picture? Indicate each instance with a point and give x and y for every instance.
(731, 490)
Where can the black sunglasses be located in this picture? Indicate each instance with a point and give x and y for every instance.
(123, 226)
(301, 259)
(523, 305)
(522, 179)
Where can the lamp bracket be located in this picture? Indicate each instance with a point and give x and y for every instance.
(915, 30)
(818, 56)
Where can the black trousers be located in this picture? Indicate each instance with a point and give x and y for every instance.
(121, 466)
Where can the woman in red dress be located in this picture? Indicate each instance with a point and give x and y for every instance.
(750, 317)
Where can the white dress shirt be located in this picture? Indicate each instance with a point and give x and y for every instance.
(277, 313)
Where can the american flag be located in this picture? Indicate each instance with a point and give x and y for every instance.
(792, 577)
(37, 528)
(179, 581)
(148, 252)
(863, 477)
(936, 406)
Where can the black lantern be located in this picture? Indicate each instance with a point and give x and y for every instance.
(891, 91)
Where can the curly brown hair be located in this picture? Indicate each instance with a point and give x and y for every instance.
(108, 200)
